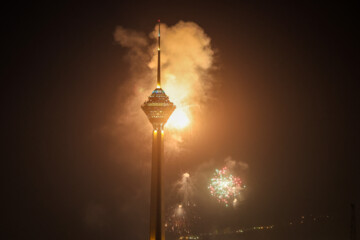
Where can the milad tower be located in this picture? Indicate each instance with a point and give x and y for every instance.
(158, 109)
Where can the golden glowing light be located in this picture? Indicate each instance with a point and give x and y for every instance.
(179, 119)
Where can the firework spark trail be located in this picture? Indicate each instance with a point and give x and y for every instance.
(225, 187)
(185, 188)
(183, 217)
(177, 221)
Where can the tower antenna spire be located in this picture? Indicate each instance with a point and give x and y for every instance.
(158, 68)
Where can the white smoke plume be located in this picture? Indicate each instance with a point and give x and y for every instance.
(233, 165)
(185, 188)
(186, 59)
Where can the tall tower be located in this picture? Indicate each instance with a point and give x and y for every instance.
(158, 109)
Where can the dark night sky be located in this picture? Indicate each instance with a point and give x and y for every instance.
(287, 98)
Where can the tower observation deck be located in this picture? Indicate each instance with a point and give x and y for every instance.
(158, 109)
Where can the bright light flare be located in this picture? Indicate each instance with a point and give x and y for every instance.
(178, 120)
(179, 211)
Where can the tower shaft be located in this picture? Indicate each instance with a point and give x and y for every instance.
(157, 201)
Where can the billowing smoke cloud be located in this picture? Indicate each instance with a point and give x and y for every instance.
(186, 59)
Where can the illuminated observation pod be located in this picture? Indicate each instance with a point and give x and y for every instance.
(158, 108)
